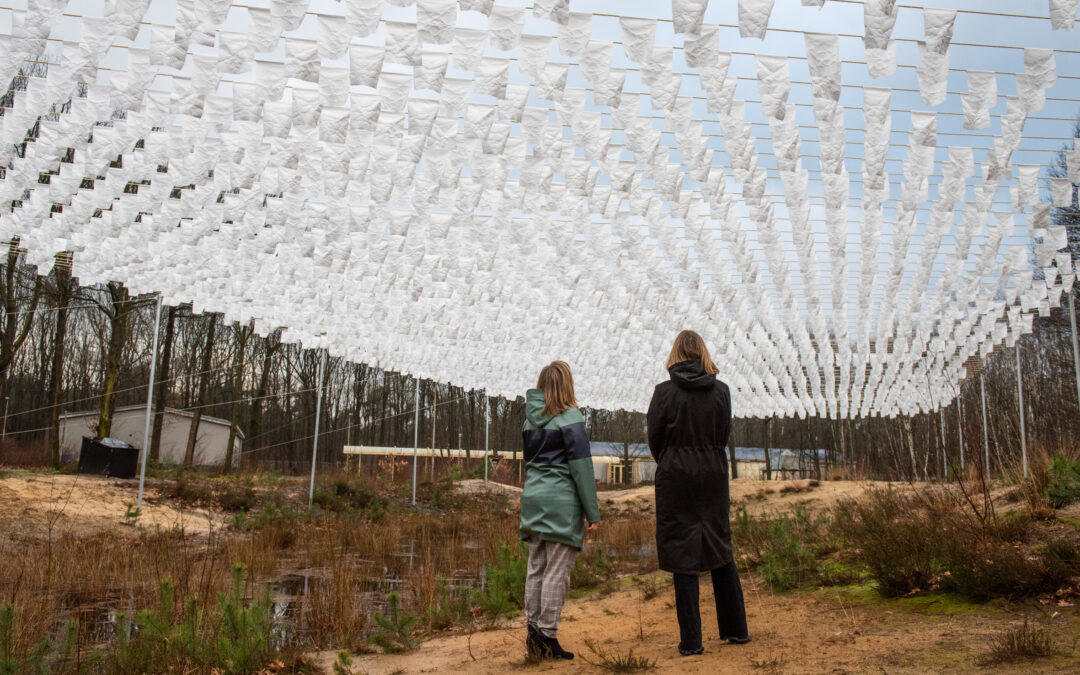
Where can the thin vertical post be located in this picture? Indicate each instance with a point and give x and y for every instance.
(318, 414)
(986, 436)
(944, 459)
(1076, 344)
(149, 403)
(416, 438)
(487, 426)
(1020, 391)
(960, 424)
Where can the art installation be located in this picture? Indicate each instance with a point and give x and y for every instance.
(467, 190)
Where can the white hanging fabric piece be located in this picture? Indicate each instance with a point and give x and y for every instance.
(637, 37)
(504, 26)
(362, 16)
(1063, 14)
(435, 21)
(754, 17)
(934, 70)
(687, 15)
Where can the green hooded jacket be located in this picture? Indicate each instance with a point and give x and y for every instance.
(560, 486)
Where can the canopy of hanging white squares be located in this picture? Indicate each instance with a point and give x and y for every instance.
(847, 199)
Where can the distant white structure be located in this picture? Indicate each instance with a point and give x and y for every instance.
(128, 426)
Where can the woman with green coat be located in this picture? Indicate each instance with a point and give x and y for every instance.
(558, 497)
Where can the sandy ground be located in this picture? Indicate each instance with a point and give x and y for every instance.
(827, 631)
(31, 503)
(757, 495)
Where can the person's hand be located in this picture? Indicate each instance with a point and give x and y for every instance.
(592, 527)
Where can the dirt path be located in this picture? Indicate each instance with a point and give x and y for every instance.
(828, 631)
(83, 505)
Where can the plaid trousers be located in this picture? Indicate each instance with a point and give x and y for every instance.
(546, 583)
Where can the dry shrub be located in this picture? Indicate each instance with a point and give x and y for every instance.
(1022, 643)
(937, 539)
(32, 454)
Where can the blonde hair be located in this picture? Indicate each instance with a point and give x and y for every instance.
(689, 346)
(557, 383)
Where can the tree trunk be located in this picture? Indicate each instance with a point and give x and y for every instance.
(12, 335)
(242, 335)
(204, 384)
(911, 448)
(64, 288)
(768, 464)
(119, 313)
(272, 344)
(163, 379)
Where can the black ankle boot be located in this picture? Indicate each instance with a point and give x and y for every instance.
(535, 645)
(557, 651)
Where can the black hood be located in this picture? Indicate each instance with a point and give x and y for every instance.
(691, 375)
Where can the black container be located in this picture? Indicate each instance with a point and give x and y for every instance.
(108, 457)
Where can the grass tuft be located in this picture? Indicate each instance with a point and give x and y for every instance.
(616, 662)
(1022, 643)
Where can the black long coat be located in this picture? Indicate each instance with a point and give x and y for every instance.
(689, 420)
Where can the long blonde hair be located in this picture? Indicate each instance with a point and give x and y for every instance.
(557, 383)
(689, 346)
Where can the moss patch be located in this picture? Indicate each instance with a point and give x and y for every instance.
(945, 604)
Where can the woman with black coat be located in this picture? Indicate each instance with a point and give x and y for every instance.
(689, 420)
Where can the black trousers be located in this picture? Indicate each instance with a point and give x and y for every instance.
(730, 610)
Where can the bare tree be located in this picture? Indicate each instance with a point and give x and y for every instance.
(16, 326)
(204, 385)
(162, 390)
(242, 334)
(62, 292)
(119, 309)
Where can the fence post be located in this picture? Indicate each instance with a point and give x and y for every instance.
(149, 406)
(318, 414)
(487, 426)
(416, 438)
(1020, 392)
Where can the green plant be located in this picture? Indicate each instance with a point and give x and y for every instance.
(591, 568)
(1063, 482)
(237, 498)
(12, 659)
(615, 662)
(787, 562)
(451, 607)
(343, 663)
(131, 514)
(504, 591)
(393, 633)
(1019, 644)
(651, 587)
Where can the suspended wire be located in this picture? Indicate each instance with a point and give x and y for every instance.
(359, 425)
(117, 391)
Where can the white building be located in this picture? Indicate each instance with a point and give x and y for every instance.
(129, 426)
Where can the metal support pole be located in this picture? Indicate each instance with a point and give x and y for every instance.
(986, 436)
(960, 425)
(318, 414)
(1076, 344)
(416, 438)
(149, 403)
(487, 426)
(3, 433)
(1020, 391)
(944, 459)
